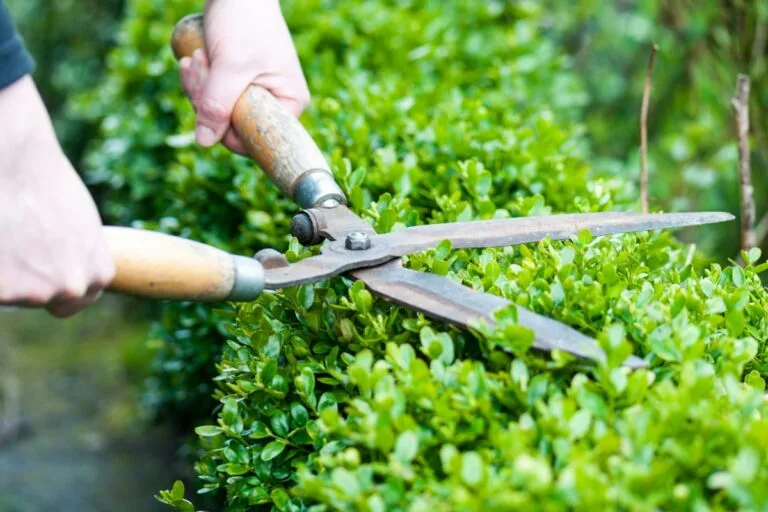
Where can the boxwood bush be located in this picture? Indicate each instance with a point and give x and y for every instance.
(323, 397)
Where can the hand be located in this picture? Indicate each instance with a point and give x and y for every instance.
(247, 42)
(52, 253)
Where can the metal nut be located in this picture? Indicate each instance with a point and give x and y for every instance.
(357, 241)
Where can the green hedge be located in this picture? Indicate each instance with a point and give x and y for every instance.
(326, 398)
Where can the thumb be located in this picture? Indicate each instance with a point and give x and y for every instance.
(216, 102)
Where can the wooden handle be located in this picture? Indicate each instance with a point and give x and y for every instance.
(272, 136)
(160, 266)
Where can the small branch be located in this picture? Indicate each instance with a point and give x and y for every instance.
(740, 104)
(644, 134)
(758, 45)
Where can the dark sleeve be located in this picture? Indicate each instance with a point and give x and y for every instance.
(15, 61)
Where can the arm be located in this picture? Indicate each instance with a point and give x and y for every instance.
(52, 250)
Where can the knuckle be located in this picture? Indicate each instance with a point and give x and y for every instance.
(235, 62)
(72, 289)
(36, 296)
(101, 280)
(211, 109)
(65, 310)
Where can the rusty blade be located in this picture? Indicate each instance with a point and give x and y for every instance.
(446, 300)
(336, 259)
(504, 232)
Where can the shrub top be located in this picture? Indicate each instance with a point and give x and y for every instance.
(330, 399)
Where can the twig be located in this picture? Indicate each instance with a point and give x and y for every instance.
(740, 104)
(758, 45)
(644, 134)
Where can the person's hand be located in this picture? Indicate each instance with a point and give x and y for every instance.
(52, 250)
(247, 42)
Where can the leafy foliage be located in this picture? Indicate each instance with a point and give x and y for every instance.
(328, 398)
(692, 141)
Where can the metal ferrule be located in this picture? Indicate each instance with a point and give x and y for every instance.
(316, 187)
(249, 279)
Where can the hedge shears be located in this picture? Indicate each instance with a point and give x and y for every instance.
(162, 266)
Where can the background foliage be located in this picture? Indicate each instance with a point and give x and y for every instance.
(68, 40)
(691, 131)
(438, 111)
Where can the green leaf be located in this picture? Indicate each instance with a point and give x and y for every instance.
(579, 423)
(208, 430)
(735, 321)
(229, 412)
(754, 254)
(585, 237)
(363, 301)
(178, 490)
(258, 430)
(663, 345)
(346, 481)
(279, 423)
(272, 450)
(299, 414)
(472, 469)
(281, 499)
(407, 446)
(443, 250)
(737, 276)
(755, 380)
(230, 415)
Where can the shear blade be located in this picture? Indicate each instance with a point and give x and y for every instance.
(441, 298)
(336, 259)
(504, 232)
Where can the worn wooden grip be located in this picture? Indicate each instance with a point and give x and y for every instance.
(160, 266)
(272, 136)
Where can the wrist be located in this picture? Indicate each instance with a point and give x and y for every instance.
(29, 130)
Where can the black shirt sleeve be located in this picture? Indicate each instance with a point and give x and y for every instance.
(15, 61)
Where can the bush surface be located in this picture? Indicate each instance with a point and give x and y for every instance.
(322, 397)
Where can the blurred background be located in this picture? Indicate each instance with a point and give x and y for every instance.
(80, 425)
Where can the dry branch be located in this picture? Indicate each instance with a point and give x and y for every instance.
(644, 133)
(740, 104)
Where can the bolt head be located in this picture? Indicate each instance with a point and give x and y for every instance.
(358, 241)
(305, 230)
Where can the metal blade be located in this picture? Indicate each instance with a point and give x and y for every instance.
(443, 299)
(505, 232)
(337, 259)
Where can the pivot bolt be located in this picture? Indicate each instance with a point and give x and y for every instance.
(358, 241)
(305, 230)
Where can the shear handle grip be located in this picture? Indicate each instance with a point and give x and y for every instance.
(272, 136)
(160, 266)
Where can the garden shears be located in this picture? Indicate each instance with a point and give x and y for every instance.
(162, 266)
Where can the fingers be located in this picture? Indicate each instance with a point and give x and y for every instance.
(66, 307)
(224, 85)
(214, 92)
(75, 298)
(232, 141)
(194, 72)
(291, 91)
(69, 294)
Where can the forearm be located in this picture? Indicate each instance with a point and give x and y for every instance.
(26, 122)
(27, 127)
